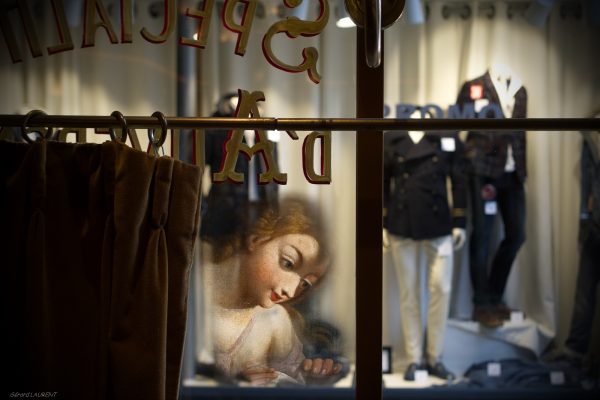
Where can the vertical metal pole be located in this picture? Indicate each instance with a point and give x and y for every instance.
(369, 225)
(187, 107)
(186, 80)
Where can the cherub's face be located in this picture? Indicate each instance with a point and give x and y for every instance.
(277, 270)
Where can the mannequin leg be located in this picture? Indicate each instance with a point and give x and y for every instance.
(482, 223)
(479, 243)
(405, 257)
(511, 203)
(439, 263)
(585, 296)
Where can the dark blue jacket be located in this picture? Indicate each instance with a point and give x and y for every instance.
(416, 203)
(487, 150)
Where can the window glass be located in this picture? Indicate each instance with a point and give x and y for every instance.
(483, 244)
(272, 287)
(200, 59)
(267, 301)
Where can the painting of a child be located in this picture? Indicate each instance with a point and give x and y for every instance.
(276, 257)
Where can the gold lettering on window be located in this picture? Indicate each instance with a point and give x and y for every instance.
(295, 27)
(247, 107)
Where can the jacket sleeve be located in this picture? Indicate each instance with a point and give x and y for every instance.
(586, 192)
(458, 178)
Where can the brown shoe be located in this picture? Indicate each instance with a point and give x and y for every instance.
(486, 317)
(502, 311)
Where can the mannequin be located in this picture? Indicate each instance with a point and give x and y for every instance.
(577, 344)
(225, 204)
(422, 228)
(497, 174)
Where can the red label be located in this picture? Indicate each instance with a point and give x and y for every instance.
(476, 92)
(488, 192)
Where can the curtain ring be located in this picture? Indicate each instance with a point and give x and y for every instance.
(154, 142)
(124, 129)
(28, 116)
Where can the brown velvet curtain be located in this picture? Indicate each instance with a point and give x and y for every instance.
(96, 245)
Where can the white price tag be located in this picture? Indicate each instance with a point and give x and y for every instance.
(448, 144)
(557, 378)
(385, 362)
(421, 376)
(494, 369)
(491, 208)
(516, 317)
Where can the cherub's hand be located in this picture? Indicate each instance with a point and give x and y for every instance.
(320, 368)
(258, 375)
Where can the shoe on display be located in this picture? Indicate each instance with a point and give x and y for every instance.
(409, 374)
(487, 317)
(439, 370)
(502, 311)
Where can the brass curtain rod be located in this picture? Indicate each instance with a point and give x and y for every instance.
(308, 124)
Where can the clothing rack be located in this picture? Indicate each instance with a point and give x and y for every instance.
(305, 124)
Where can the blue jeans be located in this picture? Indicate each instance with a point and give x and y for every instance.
(488, 288)
(585, 296)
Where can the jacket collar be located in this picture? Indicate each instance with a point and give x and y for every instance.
(404, 146)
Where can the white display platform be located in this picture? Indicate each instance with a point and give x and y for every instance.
(468, 343)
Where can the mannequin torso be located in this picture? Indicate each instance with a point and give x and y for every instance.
(506, 84)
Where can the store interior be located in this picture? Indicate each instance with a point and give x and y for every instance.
(550, 48)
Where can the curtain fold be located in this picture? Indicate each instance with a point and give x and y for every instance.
(97, 244)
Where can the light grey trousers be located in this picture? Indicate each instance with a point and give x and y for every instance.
(409, 257)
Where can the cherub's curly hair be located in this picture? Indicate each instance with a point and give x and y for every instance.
(289, 215)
